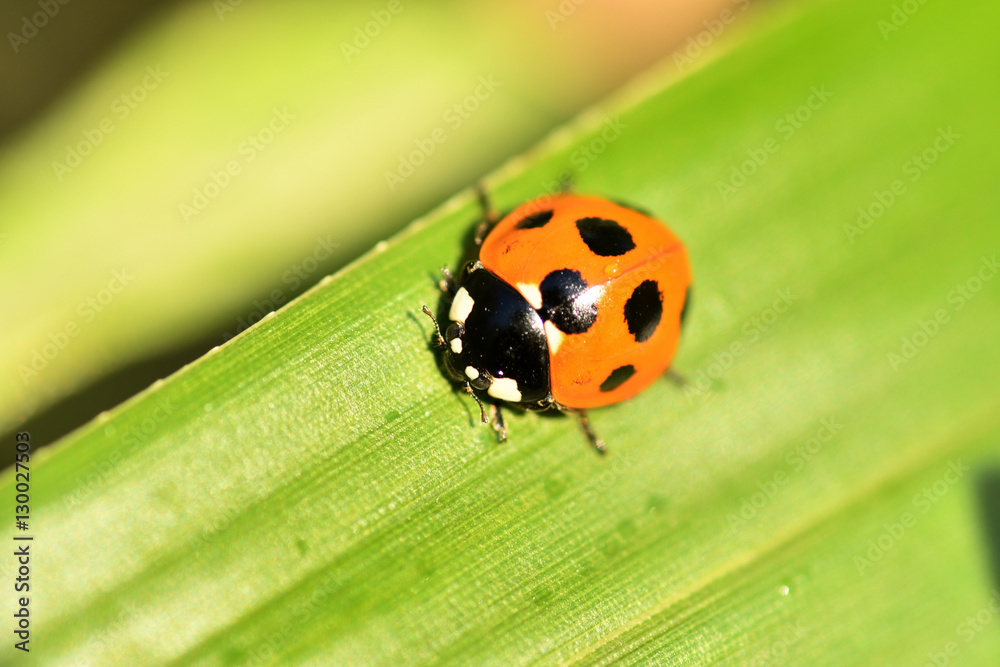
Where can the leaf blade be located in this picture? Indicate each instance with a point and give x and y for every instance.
(348, 469)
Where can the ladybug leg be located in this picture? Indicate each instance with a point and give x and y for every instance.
(437, 329)
(499, 425)
(482, 410)
(676, 378)
(684, 308)
(566, 183)
(596, 442)
(490, 216)
(447, 284)
(588, 430)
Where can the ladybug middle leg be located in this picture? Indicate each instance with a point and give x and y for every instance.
(499, 425)
(588, 430)
(566, 183)
(676, 378)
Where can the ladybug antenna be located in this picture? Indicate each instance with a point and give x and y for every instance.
(482, 410)
(437, 329)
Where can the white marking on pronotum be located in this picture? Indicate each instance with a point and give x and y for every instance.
(531, 293)
(456, 345)
(461, 306)
(471, 373)
(505, 389)
(554, 336)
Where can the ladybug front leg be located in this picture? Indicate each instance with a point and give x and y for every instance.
(438, 338)
(482, 409)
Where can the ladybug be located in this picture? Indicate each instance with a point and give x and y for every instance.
(573, 302)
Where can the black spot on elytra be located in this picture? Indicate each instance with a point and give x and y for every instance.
(687, 302)
(534, 221)
(643, 310)
(561, 286)
(618, 377)
(563, 303)
(605, 237)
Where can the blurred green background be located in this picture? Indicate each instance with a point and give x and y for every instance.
(172, 172)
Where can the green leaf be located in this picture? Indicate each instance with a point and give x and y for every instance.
(315, 491)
